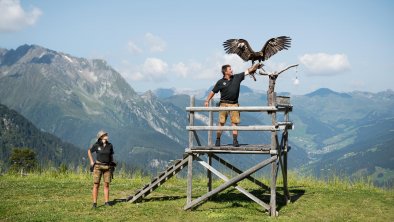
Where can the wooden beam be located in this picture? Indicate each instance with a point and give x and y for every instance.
(226, 151)
(274, 170)
(191, 122)
(240, 108)
(285, 182)
(243, 147)
(209, 174)
(189, 179)
(197, 138)
(242, 190)
(231, 128)
(229, 183)
(210, 123)
(235, 169)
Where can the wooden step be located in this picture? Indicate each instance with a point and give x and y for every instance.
(157, 181)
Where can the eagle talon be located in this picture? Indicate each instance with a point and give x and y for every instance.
(252, 76)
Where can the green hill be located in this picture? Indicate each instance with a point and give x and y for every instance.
(18, 132)
(371, 155)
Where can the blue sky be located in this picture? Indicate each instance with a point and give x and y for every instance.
(342, 45)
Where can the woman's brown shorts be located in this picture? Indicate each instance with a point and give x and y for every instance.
(101, 170)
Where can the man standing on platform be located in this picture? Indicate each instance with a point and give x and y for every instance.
(229, 87)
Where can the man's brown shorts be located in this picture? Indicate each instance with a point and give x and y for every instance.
(101, 170)
(235, 118)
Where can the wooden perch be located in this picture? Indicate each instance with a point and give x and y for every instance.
(271, 84)
(262, 72)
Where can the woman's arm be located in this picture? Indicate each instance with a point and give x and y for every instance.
(90, 157)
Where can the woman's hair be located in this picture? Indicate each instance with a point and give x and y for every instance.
(224, 68)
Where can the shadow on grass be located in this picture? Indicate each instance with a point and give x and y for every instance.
(160, 198)
(116, 201)
(163, 198)
(239, 200)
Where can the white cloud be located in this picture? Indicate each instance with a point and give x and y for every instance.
(14, 18)
(211, 68)
(155, 66)
(133, 48)
(155, 43)
(237, 64)
(153, 69)
(325, 64)
(181, 69)
(136, 76)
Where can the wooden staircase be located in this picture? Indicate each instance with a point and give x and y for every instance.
(174, 167)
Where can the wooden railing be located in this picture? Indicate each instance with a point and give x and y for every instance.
(282, 105)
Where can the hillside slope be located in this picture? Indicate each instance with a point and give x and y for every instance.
(18, 132)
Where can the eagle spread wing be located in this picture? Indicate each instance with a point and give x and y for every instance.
(274, 45)
(240, 47)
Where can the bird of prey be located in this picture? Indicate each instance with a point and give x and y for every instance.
(242, 48)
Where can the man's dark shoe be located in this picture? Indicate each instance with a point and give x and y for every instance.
(107, 204)
(235, 143)
(94, 206)
(217, 143)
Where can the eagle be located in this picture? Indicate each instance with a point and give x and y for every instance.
(242, 48)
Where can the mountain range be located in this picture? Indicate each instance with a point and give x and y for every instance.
(347, 134)
(72, 98)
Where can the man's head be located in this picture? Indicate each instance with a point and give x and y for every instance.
(226, 70)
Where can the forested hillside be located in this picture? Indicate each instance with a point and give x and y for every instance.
(18, 132)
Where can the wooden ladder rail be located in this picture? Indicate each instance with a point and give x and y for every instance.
(159, 180)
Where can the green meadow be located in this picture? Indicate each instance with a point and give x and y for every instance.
(67, 197)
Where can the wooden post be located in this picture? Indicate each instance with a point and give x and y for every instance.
(273, 212)
(209, 173)
(210, 143)
(189, 179)
(190, 157)
(210, 123)
(272, 102)
(286, 135)
(191, 122)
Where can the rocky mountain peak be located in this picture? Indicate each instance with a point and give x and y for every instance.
(74, 97)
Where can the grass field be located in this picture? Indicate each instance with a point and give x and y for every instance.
(67, 197)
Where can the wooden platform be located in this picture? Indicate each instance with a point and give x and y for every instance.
(229, 148)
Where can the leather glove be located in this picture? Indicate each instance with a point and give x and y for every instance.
(254, 68)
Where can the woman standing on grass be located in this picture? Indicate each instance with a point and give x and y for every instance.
(102, 165)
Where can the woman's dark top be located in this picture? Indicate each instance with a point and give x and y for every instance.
(103, 153)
